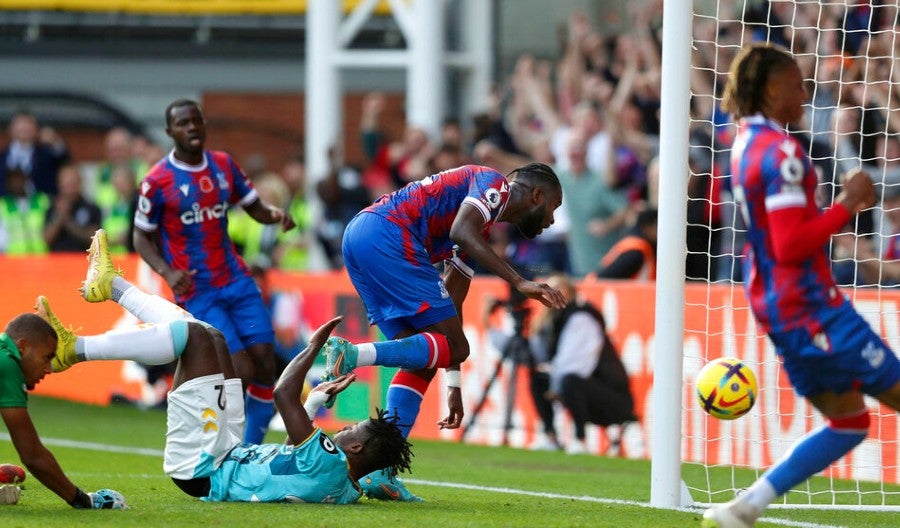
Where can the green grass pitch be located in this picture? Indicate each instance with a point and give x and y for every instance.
(464, 485)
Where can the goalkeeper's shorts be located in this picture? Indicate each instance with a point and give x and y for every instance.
(205, 421)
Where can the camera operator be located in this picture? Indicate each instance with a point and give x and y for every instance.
(515, 344)
(586, 373)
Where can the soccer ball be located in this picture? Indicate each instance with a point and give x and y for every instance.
(107, 499)
(726, 388)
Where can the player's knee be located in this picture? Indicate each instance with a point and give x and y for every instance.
(857, 423)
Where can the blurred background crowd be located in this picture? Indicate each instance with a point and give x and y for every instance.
(590, 110)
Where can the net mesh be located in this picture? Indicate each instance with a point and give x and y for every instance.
(849, 53)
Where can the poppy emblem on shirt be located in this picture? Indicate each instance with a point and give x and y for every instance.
(206, 185)
(492, 197)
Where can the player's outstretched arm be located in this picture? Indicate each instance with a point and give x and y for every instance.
(266, 213)
(38, 459)
(290, 385)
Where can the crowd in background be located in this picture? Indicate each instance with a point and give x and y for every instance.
(592, 114)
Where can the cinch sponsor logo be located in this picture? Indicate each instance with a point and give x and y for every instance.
(197, 214)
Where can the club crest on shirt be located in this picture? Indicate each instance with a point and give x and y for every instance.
(873, 354)
(492, 198)
(223, 182)
(206, 185)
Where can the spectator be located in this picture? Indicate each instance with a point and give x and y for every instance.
(292, 252)
(37, 153)
(596, 212)
(633, 257)
(72, 219)
(586, 374)
(253, 240)
(343, 195)
(119, 150)
(22, 215)
(118, 218)
(393, 164)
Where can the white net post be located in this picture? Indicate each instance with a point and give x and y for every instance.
(665, 488)
(849, 53)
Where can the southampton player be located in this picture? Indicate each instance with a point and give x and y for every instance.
(830, 353)
(204, 454)
(181, 231)
(390, 250)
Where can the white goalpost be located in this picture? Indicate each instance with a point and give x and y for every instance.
(849, 53)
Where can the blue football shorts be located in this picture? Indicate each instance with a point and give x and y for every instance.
(237, 310)
(846, 355)
(394, 276)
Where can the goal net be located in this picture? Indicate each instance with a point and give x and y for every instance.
(849, 52)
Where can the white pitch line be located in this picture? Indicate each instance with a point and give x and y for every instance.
(589, 498)
(93, 446)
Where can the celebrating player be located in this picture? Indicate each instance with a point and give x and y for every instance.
(830, 353)
(390, 249)
(181, 231)
(204, 454)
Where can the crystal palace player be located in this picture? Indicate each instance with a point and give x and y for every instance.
(181, 231)
(390, 249)
(830, 353)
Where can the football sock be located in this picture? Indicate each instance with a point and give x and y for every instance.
(814, 452)
(425, 350)
(119, 286)
(150, 344)
(259, 407)
(404, 397)
(145, 306)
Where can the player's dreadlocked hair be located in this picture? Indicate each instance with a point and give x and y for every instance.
(537, 175)
(389, 442)
(745, 90)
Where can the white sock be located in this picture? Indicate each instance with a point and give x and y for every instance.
(151, 308)
(148, 344)
(365, 354)
(760, 495)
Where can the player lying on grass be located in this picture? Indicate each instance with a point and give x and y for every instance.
(204, 455)
(27, 347)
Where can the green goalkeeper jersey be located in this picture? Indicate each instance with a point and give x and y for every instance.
(13, 392)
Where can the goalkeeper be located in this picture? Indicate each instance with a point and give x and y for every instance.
(204, 455)
(27, 347)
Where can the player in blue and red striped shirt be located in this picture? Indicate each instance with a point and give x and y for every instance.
(390, 251)
(181, 231)
(831, 354)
